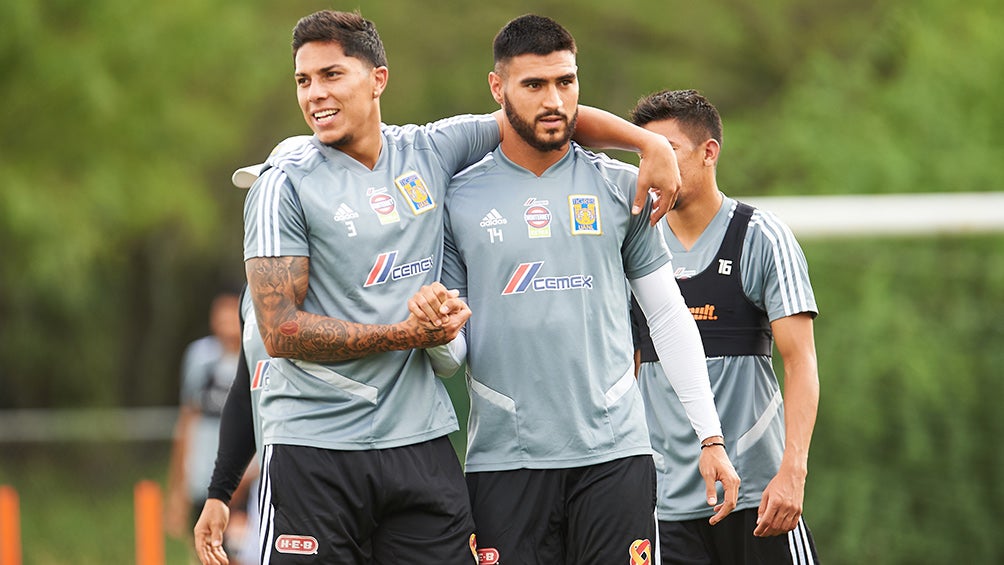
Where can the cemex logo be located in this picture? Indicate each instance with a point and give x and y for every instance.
(525, 278)
(386, 269)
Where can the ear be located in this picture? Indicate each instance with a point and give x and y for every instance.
(495, 83)
(380, 75)
(711, 151)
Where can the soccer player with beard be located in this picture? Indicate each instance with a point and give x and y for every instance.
(540, 239)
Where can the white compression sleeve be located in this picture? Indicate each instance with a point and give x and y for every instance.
(449, 357)
(677, 341)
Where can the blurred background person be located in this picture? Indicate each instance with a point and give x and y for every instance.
(207, 370)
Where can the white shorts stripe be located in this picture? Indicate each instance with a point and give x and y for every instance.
(656, 543)
(267, 513)
(798, 544)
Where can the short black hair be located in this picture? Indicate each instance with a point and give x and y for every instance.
(698, 117)
(530, 34)
(357, 36)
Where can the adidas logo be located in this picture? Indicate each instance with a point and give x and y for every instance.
(493, 218)
(344, 213)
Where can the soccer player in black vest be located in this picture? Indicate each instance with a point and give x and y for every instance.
(745, 279)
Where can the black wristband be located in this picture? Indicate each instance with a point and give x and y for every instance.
(709, 444)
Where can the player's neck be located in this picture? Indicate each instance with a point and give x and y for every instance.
(365, 144)
(694, 213)
(530, 158)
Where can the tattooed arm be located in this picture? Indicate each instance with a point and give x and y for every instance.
(278, 286)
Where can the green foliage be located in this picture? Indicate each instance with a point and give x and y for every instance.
(113, 120)
(77, 505)
(121, 124)
(908, 344)
(913, 108)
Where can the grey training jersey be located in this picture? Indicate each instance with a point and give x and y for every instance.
(775, 279)
(542, 262)
(374, 237)
(207, 371)
(257, 360)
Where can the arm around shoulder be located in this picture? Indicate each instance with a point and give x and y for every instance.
(658, 170)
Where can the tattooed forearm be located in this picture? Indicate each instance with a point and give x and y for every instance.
(278, 286)
(331, 339)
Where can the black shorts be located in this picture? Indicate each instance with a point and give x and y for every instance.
(400, 505)
(731, 542)
(600, 514)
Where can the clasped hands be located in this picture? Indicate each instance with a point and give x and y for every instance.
(438, 311)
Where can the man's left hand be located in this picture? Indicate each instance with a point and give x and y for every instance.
(658, 173)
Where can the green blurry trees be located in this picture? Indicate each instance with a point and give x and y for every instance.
(912, 107)
(903, 467)
(121, 122)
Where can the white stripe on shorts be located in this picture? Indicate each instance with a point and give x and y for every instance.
(798, 544)
(265, 510)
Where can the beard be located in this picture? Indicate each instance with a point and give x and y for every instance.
(527, 130)
(340, 142)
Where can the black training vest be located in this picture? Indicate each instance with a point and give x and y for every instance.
(730, 324)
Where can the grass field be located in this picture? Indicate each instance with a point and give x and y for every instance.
(77, 500)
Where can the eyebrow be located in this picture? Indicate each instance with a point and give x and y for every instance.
(322, 70)
(538, 79)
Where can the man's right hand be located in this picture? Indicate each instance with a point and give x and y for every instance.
(209, 533)
(436, 307)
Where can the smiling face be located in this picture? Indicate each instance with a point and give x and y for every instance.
(540, 96)
(339, 95)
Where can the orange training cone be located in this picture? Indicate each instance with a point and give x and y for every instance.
(149, 509)
(10, 527)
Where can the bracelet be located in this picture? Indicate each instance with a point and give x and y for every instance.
(709, 444)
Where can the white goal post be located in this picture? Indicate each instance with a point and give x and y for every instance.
(919, 214)
(849, 215)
